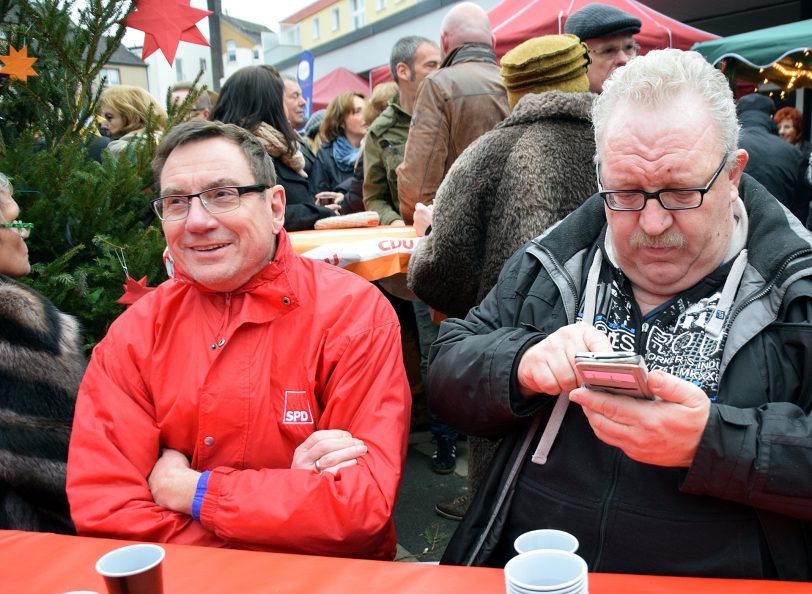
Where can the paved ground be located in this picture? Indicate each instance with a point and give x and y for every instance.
(422, 534)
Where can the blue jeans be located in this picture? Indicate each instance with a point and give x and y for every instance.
(426, 334)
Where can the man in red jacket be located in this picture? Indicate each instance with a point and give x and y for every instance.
(255, 400)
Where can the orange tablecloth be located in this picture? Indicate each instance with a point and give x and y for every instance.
(373, 252)
(34, 563)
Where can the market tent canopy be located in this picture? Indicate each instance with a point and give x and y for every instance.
(515, 21)
(781, 55)
(335, 83)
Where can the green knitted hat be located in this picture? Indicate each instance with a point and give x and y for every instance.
(548, 63)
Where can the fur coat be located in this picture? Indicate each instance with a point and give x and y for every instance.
(41, 365)
(512, 183)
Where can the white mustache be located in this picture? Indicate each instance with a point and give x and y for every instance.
(669, 239)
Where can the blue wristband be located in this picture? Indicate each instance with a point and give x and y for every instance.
(200, 492)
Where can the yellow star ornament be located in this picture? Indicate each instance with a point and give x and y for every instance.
(18, 64)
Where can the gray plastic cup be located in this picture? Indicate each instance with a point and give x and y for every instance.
(546, 538)
(134, 569)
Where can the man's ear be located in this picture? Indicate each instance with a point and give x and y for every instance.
(741, 158)
(275, 196)
(403, 71)
(735, 174)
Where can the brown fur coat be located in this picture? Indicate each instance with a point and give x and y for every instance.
(509, 186)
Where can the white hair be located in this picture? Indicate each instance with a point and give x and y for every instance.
(5, 185)
(662, 77)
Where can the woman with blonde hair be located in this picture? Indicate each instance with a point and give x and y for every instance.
(343, 128)
(126, 111)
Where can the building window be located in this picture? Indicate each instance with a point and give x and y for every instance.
(178, 69)
(290, 35)
(112, 75)
(316, 28)
(380, 5)
(357, 13)
(336, 19)
(203, 65)
(231, 50)
(255, 53)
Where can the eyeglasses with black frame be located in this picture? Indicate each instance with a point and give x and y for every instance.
(215, 200)
(669, 198)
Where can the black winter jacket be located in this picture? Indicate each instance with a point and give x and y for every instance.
(301, 210)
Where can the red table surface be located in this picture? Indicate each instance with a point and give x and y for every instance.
(36, 563)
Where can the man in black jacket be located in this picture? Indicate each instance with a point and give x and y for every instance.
(692, 265)
(774, 163)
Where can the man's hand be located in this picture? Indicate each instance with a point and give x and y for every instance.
(331, 449)
(664, 432)
(172, 482)
(549, 366)
(422, 218)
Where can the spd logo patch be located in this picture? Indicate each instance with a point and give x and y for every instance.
(297, 409)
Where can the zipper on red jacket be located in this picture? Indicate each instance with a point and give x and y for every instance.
(219, 341)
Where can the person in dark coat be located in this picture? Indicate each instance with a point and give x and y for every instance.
(775, 164)
(252, 98)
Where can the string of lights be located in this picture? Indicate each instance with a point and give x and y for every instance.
(787, 75)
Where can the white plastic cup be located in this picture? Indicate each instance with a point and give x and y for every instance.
(134, 569)
(546, 538)
(546, 570)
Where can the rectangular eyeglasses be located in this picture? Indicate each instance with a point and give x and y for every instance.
(216, 200)
(669, 198)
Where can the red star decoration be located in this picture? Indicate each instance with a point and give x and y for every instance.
(18, 64)
(166, 23)
(134, 290)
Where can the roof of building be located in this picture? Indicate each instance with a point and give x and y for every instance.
(247, 28)
(307, 11)
(121, 56)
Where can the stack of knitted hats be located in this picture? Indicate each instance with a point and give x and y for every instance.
(547, 63)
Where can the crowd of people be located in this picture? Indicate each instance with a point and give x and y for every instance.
(572, 196)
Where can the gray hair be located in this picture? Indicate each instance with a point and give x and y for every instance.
(661, 77)
(5, 185)
(404, 50)
(197, 130)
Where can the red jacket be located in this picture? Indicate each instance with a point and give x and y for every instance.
(306, 346)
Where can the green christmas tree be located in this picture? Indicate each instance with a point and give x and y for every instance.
(90, 218)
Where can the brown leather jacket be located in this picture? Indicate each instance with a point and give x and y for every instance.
(455, 105)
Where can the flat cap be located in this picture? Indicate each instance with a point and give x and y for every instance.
(600, 20)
